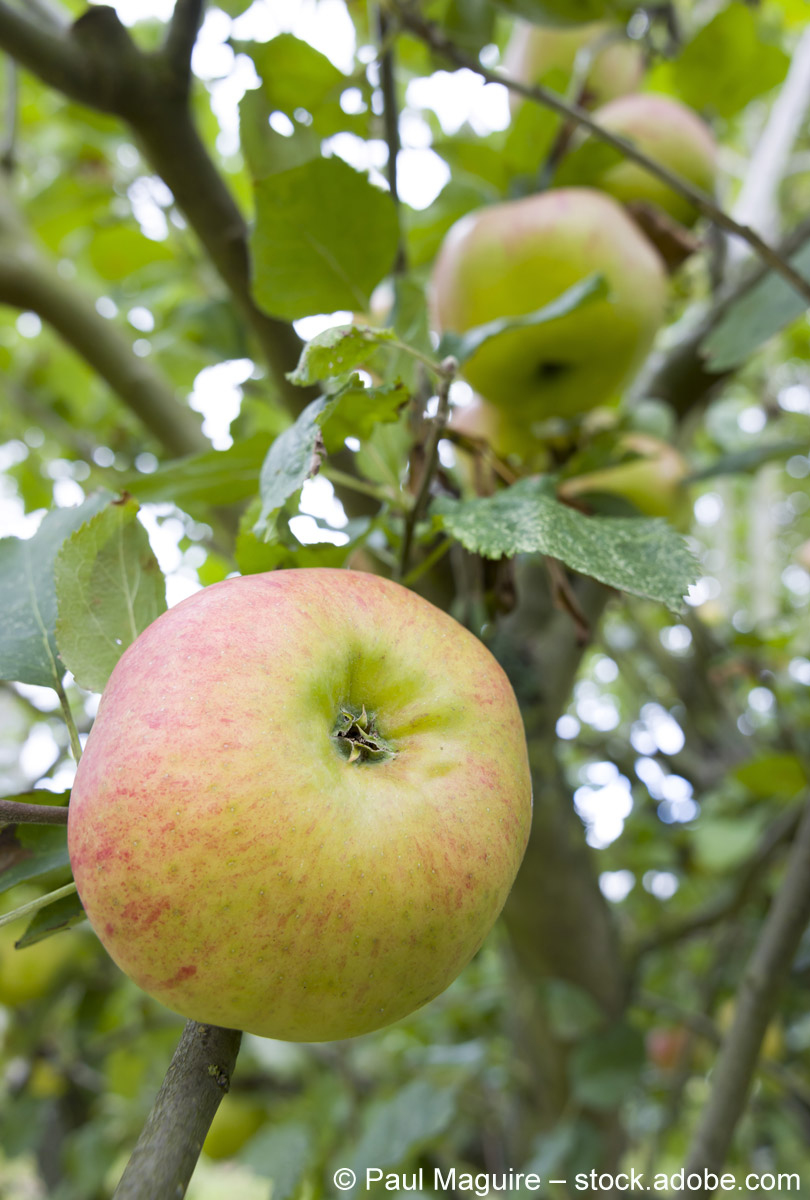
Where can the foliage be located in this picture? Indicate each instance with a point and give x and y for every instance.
(664, 679)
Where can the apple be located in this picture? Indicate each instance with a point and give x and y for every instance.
(647, 472)
(671, 134)
(667, 1046)
(515, 257)
(31, 972)
(235, 1121)
(533, 53)
(302, 804)
(567, 12)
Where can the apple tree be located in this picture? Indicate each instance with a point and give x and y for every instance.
(503, 301)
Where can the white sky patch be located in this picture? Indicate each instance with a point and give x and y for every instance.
(421, 175)
(461, 96)
(661, 884)
(616, 885)
(39, 752)
(218, 396)
(308, 532)
(309, 327)
(318, 499)
(325, 24)
(604, 810)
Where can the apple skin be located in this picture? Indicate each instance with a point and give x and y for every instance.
(566, 12)
(231, 858)
(652, 480)
(668, 132)
(533, 52)
(512, 258)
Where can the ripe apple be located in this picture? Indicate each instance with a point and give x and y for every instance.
(666, 1046)
(567, 12)
(647, 472)
(514, 258)
(534, 53)
(302, 804)
(671, 134)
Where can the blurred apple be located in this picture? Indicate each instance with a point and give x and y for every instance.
(236, 1120)
(646, 471)
(513, 258)
(534, 53)
(31, 972)
(567, 12)
(666, 1046)
(671, 134)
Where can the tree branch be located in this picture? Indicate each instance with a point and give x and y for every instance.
(388, 86)
(677, 931)
(99, 65)
(184, 26)
(16, 812)
(758, 202)
(764, 976)
(438, 41)
(166, 1154)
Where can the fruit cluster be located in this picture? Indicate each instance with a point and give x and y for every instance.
(514, 257)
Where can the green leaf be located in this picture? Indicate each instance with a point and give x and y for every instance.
(62, 914)
(282, 1153)
(294, 457)
(397, 1128)
(463, 345)
(324, 237)
(118, 251)
(605, 1067)
(336, 352)
(28, 650)
(760, 312)
(356, 411)
(725, 65)
(773, 775)
(723, 843)
(29, 851)
(572, 1011)
(645, 557)
(295, 75)
(109, 587)
(267, 152)
(215, 477)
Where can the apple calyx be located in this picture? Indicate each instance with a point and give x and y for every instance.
(356, 733)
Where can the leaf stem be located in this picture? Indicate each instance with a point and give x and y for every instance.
(75, 744)
(383, 494)
(33, 906)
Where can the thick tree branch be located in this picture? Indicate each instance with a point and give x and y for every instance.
(198, 1077)
(438, 41)
(98, 64)
(17, 812)
(764, 976)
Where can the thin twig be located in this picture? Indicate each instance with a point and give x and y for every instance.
(33, 906)
(438, 41)
(8, 149)
(17, 812)
(184, 26)
(775, 836)
(166, 1154)
(439, 424)
(758, 995)
(388, 87)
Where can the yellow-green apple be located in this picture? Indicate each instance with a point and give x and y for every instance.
(567, 12)
(667, 1046)
(642, 469)
(513, 258)
(671, 134)
(535, 54)
(33, 971)
(302, 804)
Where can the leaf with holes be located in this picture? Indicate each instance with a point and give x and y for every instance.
(337, 351)
(638, 555)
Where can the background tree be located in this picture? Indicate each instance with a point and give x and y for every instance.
(164, 254)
